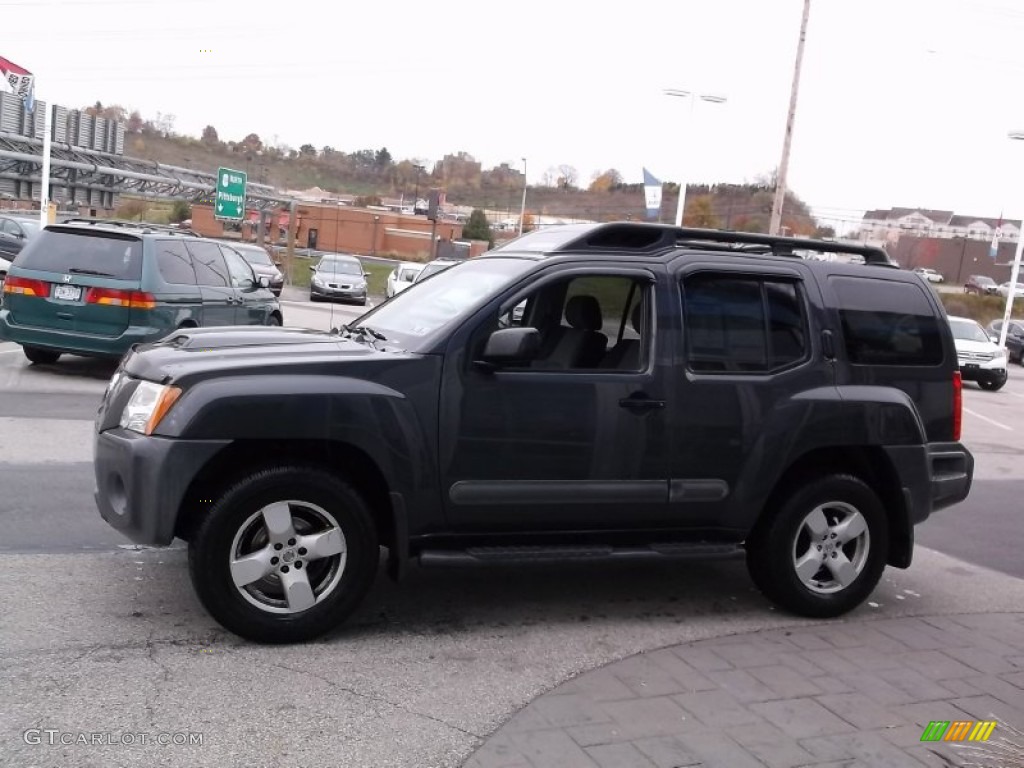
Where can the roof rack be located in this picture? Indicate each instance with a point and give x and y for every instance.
(144, 226)
(642, 238)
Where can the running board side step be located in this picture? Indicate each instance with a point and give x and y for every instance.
(575, 553)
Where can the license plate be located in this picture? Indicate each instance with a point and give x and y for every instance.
(67, 292)
(969, 365)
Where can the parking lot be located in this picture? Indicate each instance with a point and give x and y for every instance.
(108, 637)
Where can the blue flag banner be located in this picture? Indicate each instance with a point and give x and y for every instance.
(652, 195)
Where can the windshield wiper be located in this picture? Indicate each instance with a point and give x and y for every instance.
(84, 271)
(362, 332)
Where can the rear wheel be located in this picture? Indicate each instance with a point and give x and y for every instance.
(821, 552)
(285, 554)
(41, 356)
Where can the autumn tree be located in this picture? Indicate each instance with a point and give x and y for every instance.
(700, 213)
(567, 177)
(307, 150)
(180, 211)
(606, 181)
(251, 143)
(210, 137)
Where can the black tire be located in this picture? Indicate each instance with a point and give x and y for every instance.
(41, 356)
(210, 553)
(992, 386)
(274, 321)
(772, 547)
(313, 297)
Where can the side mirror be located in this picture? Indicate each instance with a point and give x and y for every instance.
(994, 337)
(509, 346)
(264, 281)
(312, 268)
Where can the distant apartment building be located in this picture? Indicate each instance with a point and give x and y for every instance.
(888, 225)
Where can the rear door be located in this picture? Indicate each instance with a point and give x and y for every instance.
(214, 281)
(88, 275)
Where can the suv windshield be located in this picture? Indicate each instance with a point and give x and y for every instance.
(107, 254)
(340, 267)
(982, 280)
(450, 295)
(967, 330)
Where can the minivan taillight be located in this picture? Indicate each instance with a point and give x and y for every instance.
(26, 287)
(118, 298)
(958, 404)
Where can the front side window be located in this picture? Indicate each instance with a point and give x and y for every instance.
(741, 324)
(240, 271)
(886, 322)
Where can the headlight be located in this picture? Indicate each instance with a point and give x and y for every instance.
(147, 407)
(316, 280)
(1000, 355)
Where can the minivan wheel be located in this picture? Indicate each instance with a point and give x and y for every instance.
(822, 552)
(41, 356)
(284, 555)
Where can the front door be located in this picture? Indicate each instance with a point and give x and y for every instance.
(574, 440)
(219, 299)
(252, 301)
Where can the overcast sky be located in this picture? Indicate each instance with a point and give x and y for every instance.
(902, 102)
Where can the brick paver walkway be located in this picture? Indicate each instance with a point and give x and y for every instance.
(855, 694)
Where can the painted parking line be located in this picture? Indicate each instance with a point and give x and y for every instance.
(986, 418)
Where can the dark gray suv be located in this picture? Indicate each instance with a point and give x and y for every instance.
(663, 393)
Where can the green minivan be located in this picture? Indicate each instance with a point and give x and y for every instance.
(96, 290)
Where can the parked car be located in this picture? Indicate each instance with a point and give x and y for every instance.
(929, 274)
(15, 233)
(981, 285)
(980, 359)
(95, 290)
(670, 395)
(401, 277)
(262, 264)
(338, 276)
(1005, 288)
(1014, 338)
(435, 266)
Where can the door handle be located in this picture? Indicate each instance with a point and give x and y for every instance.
(640, 402)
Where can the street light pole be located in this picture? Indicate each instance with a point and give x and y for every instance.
(1014, 270)
(780, 181)
(522, 210)
(692, 96)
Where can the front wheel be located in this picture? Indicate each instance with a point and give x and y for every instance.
(823, 550)
(41, 356)
(274, 321)
(992, 385)
(284, 555)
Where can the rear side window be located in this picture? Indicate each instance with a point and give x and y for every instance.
(174, 263)
(887, 322)
(740, 324)
(209, 265)
(104, 254)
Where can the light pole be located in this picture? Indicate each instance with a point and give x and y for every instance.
(692, 96)
(522, 209)
(780, 181)
(1014, 270)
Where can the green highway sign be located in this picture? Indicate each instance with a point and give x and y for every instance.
(229, 201)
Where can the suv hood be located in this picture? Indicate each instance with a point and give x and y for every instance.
(198, 351)
(966, 345)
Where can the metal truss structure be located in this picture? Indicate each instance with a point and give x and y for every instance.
(73, 169)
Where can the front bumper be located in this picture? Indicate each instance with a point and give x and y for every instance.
(345, 294)
(142, 480)
(987, 371)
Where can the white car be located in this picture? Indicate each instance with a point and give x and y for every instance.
(981, 359)
(402, 277)
(1004, 290)
(930, 275)
(5, 265)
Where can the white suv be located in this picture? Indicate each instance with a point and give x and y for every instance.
(981, 359)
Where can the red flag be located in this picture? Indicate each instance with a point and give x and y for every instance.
(20, 79)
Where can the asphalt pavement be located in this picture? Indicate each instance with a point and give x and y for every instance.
(100, 637)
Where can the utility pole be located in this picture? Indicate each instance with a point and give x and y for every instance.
(780, 182)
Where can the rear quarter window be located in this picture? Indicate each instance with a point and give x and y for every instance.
(887, 322)
(105, 254)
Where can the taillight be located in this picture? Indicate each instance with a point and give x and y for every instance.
(26, 287)
(958, 404)
(118, 298)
